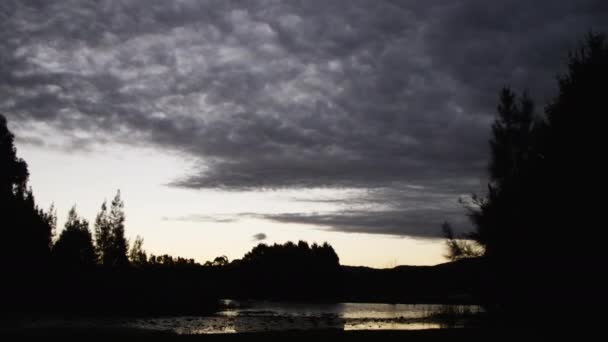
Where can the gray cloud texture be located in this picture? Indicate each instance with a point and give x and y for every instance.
(377, 95)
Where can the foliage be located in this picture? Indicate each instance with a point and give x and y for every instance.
(118, 241)
(102, 236)
(166, 260)
(460, 247)
(111, 245)
(27, 229)
(292, 255)
(74, 248)
(219, 261)
(536, 223)
(137, 255)
(288, 271)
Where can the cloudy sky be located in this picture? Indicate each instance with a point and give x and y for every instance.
(229, 123)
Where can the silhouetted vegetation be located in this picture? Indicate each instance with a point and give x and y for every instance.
(538, 221)
(166, 260)
(287, 271)
(537, 242)
(74, 249)
(218, 261)
(460, 247)
(98, 274)
(112, 246)
(79, 273)
(26, 229)
(137, 255)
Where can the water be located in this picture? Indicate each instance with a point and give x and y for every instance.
(257, 316)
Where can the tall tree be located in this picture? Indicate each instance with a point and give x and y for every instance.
(497, 216)
(74, 247)
(538, 220)
(513, 155)
(574, 150)
(118, 242)
(103, 234)
(26, 230)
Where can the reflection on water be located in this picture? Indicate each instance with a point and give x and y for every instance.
(252, 316)
(256, 316)
(392, 326)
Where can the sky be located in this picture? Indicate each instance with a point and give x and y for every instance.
(229, 123)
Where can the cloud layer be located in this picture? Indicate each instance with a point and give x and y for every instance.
(378, 95)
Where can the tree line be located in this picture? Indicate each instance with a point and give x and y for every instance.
(97, 258)
(29, 232)
(77, 248)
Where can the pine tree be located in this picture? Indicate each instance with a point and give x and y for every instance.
(539, 220)
(119, 245)
(511, 168)
(497, 216)
(74, 248)
(103, 235)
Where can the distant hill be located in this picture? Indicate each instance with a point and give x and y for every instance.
(284, 279)
(452, 282)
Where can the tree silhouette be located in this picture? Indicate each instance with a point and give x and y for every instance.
(137, 255)
(537, 222)
(27, 230)
(166, 260)
(74, 248)
(14, 173)
(103, 236)
(118, 243)
(110, 243)
(569, 206)
(219, 261)
(289, 271)
(513, 154)
(50, 217)
(460, 247)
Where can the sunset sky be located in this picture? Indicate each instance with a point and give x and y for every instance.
(230, 123)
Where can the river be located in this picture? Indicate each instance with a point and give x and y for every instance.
(251, 316)
(257, 316)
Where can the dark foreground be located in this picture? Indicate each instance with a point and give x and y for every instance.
(322, 335)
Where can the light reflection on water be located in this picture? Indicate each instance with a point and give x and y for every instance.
(259, 316)
(256, 316)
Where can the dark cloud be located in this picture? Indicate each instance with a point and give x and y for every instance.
(203, 218)
(421, 224)
(259, 237)
(377, 95)
(411, 210)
